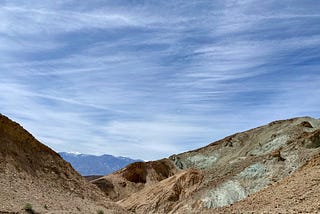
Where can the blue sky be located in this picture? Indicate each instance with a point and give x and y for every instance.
(147, 79)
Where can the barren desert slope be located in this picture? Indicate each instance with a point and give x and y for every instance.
(212, 178)
(272, 169)
(30, 172)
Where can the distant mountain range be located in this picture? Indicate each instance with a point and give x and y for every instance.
(96, 165)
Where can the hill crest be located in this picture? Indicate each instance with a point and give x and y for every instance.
(230, 169)
(31, 172)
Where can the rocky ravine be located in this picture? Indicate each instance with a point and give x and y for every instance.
(211, 178)
(32, 173)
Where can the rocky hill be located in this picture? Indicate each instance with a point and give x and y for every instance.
(95, 164)
(298, 193)
(135, 177)
(269, 169)
(212, 178)
(30, 172)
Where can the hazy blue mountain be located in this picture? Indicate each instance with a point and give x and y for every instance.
(95, 165)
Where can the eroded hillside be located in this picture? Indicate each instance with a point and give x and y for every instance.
(30, 172)
(219, 174)
(298, 193)
(272, 168)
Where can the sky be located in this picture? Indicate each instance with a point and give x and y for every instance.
(147, 79)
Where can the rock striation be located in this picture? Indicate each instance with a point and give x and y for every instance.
(268, 169)
(218, 175)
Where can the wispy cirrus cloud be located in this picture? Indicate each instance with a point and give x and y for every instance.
(20, 20)
(148, 79)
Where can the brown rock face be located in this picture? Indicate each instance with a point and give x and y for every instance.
(306, 124)
(162, 197)
(135, 177)
(153, 171)
(30, 172)
(212, 178)
(269, 169)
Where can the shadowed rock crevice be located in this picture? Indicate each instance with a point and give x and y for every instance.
(136, 173)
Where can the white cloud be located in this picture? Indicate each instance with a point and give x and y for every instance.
(19, 20)
(149, 80)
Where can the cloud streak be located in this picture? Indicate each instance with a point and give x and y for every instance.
(150, 79)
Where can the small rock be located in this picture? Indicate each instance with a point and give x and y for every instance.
(306, 124)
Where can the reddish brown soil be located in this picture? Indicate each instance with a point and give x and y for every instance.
(283, 157)
(135, 177)
(30, 172)
(243, 163)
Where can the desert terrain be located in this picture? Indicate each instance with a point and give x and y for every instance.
(268, 169)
